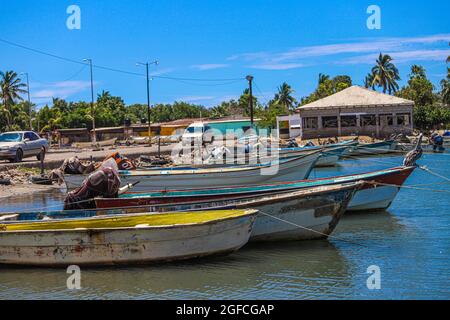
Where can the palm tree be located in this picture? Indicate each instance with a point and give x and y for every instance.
(417, 71)
(284, 97)
(368, 81)
(10, 90)
(445, 84)
(323, 78)
(386, 74)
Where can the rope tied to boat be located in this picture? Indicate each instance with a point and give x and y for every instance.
(312, 230)
(426, 169)
(375, 183)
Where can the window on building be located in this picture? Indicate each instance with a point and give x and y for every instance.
(348, 121)
(330, 122)
(386, 120)
(403, 119)
(368, 120)
(310, 123)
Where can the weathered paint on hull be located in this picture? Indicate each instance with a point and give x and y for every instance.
(318, 217)
(378, 198)
(396, 177)
(295, 169)
(124, 245)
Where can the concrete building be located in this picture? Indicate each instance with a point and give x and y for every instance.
(353, 111)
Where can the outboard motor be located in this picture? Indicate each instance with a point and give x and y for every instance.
(438, 142)
(104, 182)
(414, 155)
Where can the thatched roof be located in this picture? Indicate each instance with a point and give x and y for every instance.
(357, 96)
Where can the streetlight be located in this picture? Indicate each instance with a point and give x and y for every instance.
(156, 62)
(29, 99)
(94, 136)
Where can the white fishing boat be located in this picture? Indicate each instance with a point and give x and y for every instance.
(295, 168)
(128, 239)
(371, 149)
(104, 143)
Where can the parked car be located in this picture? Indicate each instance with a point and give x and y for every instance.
(14, 146)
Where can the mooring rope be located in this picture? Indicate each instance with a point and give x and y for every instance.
(407, 187)
(311, 230)
(426, 169)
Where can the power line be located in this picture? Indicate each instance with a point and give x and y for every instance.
(112, 69)
(261, 93)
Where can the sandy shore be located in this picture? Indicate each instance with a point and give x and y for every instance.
(21, 189)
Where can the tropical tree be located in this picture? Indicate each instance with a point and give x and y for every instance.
(369, 81)
(11, 87)
(284, 97)
(385, 74)
(445, 92)
(417, 71)
(419, 88)
(323, 78)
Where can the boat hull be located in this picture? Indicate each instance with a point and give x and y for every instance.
(378, 198)
(372, 149)
(289, 169)
(304, 218)
(139, 245)
(394, 176)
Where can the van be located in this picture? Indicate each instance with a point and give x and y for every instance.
(197, 133)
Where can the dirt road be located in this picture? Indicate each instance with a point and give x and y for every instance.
(55, 157)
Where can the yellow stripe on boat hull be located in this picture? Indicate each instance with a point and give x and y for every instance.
(130, 221)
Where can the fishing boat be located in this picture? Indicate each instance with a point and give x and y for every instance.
(128, 239)
(188, 178)
(104, 143)
(370, 149)
(381, 190)
(331, 153)
(305, 214)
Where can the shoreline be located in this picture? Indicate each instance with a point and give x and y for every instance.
(21, 189)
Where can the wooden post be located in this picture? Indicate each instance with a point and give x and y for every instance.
(42, 161)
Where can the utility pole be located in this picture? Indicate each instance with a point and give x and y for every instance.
(250, 87)
(29, 99)
(156, 62)
(94, 134)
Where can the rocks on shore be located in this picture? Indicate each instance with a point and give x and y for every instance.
(16, 176)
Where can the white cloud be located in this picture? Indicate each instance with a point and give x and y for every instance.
(278, 66)
(400, 57)
(404, 49)
(210, 66)
(195, 98)
(63, 90)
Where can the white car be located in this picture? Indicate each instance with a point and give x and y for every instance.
(14, 146)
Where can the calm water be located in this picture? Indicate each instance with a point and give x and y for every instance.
(410, 243)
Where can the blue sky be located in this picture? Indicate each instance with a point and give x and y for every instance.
(275, 41)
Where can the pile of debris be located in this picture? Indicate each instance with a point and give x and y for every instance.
(15, 176)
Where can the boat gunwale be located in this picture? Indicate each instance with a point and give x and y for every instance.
(246, 213)
(195, 171)
(284, 194)
(164, 192)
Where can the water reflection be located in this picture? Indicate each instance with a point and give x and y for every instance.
(286, 271)
(410, 243)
